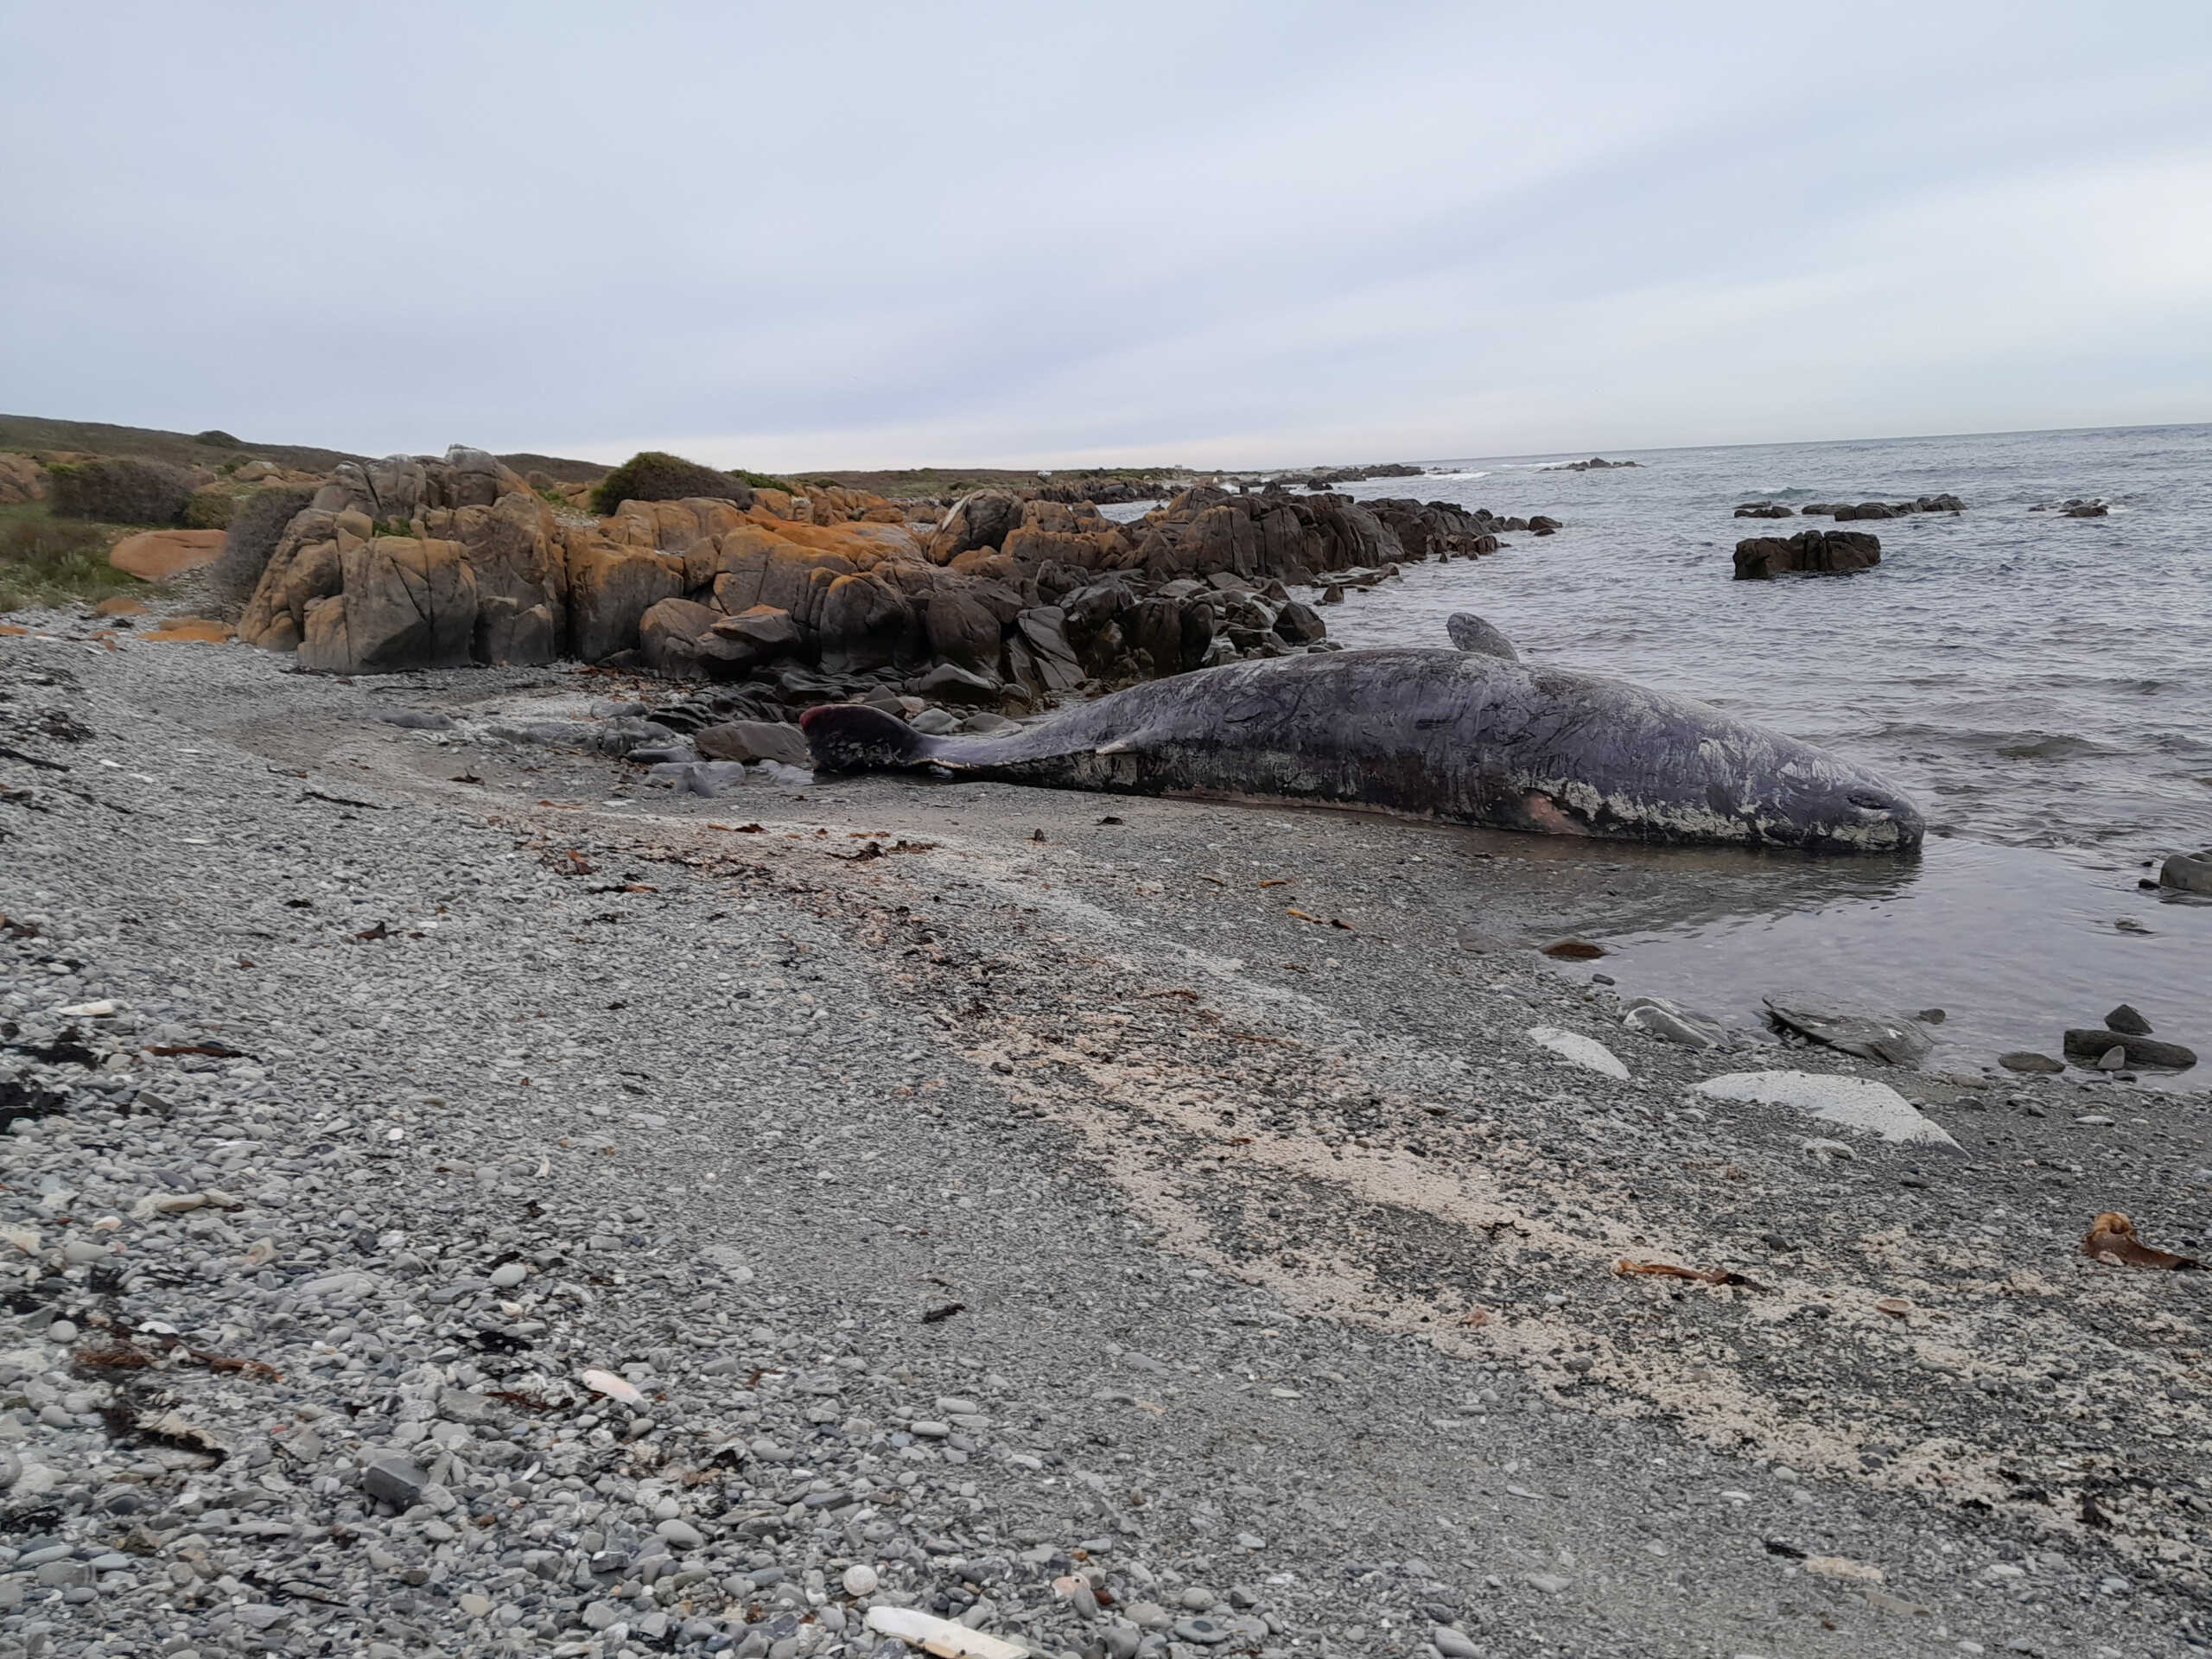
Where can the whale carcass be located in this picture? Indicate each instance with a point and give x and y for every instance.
(1466, 737)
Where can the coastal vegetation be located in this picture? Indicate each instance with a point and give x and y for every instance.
(121, 490)
(655, 475)
(49, 561)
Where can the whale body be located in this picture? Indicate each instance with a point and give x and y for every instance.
(1464, 737)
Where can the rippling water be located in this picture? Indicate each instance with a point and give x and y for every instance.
(2042, 684)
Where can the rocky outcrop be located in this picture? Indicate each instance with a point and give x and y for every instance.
(1437, 529)
(795, 599)
(1595, 464)
(1809, 552)
(1765, 510)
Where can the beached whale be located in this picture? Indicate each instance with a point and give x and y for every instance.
(1467, 737)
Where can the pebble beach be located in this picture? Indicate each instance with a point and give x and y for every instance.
(463, 1200)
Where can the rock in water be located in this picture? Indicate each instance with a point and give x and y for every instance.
(2027, 1061)
(1808, 553)
(2126, 1019)
(2087, 1044)
(1893, 1042)
(2189, 872)
(1853, 1102)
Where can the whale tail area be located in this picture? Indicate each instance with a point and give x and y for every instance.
(852, 737)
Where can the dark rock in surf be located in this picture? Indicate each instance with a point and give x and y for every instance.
(1809, 553)
(2188, 872)
(1300, 624)
(1766, 510)
(2092, 1043)
(2125, 1019)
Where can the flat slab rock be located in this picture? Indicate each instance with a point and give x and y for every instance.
(1852, 1102)
(1868, 1037)
(1585, 1051)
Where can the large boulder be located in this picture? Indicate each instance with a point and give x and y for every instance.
(303, 569)
(961, 627)
(610, 589)
(863, 622)
(21, 479)
(1809, 552)
(515, 548)
(405, 603)
(157, 555)
(1043, 629)
(768, 632)
(981, 519)
(668, 636)
(2188, 872)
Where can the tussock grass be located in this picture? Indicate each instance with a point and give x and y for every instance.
(48, 561)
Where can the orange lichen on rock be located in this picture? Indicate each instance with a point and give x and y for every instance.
(157, 555)
(191, 630)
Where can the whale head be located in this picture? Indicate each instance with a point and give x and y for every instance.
(1830, 806)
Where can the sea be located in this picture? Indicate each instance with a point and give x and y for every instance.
(2041, 684)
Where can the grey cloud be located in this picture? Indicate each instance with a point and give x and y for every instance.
(1244, 233)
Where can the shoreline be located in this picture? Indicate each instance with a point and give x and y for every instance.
(1260, 1227)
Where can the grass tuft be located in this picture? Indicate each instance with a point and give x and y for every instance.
(48, 561)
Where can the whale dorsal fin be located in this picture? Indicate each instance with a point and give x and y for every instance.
(1470, 633)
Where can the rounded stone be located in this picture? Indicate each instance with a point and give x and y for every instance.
(860, 1580)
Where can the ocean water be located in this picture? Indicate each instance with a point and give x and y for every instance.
(2042, 685)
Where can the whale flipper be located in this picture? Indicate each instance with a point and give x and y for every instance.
(1470, 632)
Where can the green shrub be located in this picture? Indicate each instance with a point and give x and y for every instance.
(215, 438)
(652, 476)
(210, 509)
(255, 531)
(122, 490)
(45, 562)
(764, 480)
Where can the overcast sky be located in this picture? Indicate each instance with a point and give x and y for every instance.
(818, 235)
